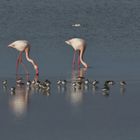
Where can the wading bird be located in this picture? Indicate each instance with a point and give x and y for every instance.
(23, 46)
(80, 45)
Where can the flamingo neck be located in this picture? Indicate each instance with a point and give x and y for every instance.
(31, 61)
(81, 59)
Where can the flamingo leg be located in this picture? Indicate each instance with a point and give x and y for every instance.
(73, 62)
(79, 62)
(19, 59)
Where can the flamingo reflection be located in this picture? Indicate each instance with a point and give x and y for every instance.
(19, 99)
(75, 92)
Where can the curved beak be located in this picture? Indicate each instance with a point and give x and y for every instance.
(67, 42)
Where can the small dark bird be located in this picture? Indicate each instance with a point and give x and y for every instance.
(63, 82)
(12, 88)
(59, 82)
(74, 84)
(4, 82)
(122, 83)
(37, 83)
(47, 82)
(109, 82)
(86, 82)
(106, 87)
(95, 82)
(28, 83)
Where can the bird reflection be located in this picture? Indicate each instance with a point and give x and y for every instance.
(122, 87)
(20, 95)
(19, 100)
(122, 91)
(76, 89)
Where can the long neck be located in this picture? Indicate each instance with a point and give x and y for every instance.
(27, 50)
(81, 58)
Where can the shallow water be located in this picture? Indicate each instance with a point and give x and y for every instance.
(111, 30)
(66, 112)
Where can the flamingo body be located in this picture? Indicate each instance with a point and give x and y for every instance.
(76, 43)
(23, 46)
(80, 45)
(20, 45)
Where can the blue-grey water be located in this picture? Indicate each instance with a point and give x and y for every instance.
(111, 29)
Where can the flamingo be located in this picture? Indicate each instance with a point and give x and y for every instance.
(23, 46)
(80, 45)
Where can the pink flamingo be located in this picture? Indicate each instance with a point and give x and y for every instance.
(80, 45)
(23, 46)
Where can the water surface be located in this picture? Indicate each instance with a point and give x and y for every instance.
(111, 30)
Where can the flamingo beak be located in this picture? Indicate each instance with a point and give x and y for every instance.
(67, 42)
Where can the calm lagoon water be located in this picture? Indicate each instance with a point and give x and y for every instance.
(111, 30)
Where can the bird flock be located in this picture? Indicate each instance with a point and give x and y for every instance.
(79, 45)
(77, 84)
